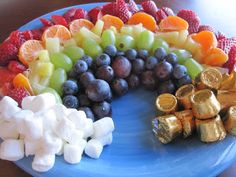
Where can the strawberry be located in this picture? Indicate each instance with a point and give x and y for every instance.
(37, 34)
(149, 7)
(69, 15)
(122, 11)
(163, 13)
(6, 76)
(16, 67)
(6, 88)
(46, 22)
(132, 6)
(80, 13)
(59, 20)
(226, 44)
(219, 36)
(8, 51)
(108, 9)
(17, 38)
(205, 28)
(27, 35)
(95, 14)
(18, 94)
(192, 18)
(230, 64)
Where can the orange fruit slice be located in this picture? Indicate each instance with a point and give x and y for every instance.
(216, 57)
(29, 51)
(110, 21)
(21, 81)
(147, 20)
(56, 31)
(173, 23)
(206, 39)
(76, 25)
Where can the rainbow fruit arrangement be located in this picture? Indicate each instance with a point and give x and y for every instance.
(85, 58)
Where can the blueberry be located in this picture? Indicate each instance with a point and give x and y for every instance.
(102, 109)
(138, 66)
(163, 70)
(131, 54)
(72, 75)
(110, 50)
(148, 80)
(172, 58)
(70, 101)
(105, 73)
(103, 59)
(142, 53)
(121, 67)
(183, 81)
(98, 90)
(160, 53)
(120, 86)
(179, 71)
(166, 87)
(133, 81)
(151, 62)
(86, 78)
(70, 87)
(87, 59)
(88, 112)
(80, 67)
(120, 53)
(84, 100)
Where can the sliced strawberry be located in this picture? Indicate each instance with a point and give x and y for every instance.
(230, 64)
(122, 11)
(205, 28)
(6, 88)
(149, 7)
(37, 34)
(163, 13)
(18, 94)
(80, 13)
(95, 14)
(6, 76)
(46, 22)
(132, 6)
(28, 35)
(69, 15)
(8, 52)
(16, 67)
(17, 38)
(226, 43)
(109, 9)
(220, 35)
(59, 20)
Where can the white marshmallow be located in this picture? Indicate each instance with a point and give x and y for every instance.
(106, 140)
(64, 129)
(12, 150)
(60, 111)
(43, 162)
(72, 153)
(61, 151)
(6, 101)
(93, 148)
(51, 144)
(8, 130)
(27, 102)
(19, 118)
(33, 128)
(49, 119)
(32, 147)
(88, 128)
(8, 107)
(76, 137)
(103, 127)
(78, 118)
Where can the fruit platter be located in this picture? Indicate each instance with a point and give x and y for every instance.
(118, 89)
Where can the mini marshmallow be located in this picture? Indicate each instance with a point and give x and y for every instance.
(49, 119)
(60, 111)
(61, 151)
(12, 150)
(78, 118)
(51, 144)
(93, 148)
(33, 128)
(88, 128)
(6, 101)
(8, 130)
(73, 153)
(31, 147)
(103, 127)
(19, 118)
(106, 140)
(75, 137)
(43, 162)
(64, 129)
(27, 102)
(8, 107)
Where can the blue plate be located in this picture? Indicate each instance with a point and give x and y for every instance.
(135, 151)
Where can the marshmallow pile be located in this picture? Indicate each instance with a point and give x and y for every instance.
(44, 129)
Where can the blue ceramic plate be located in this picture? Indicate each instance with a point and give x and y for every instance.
(135, 151)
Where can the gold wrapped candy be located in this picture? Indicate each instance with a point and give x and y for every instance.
(230, 122)
(183, 95)
(210, 130)
(204, 104)
(228, 82)
(187, 121)
(226, 98)
(166, 103)
(169, 127)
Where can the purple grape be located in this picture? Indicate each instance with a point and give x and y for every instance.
(163, 71)
(102, 109)
(133, 81)
(151, 62)
(179, 71)
(148, 80)
(138, 66)
(166, 87)
(121, 67)
(105, 73)
(109, 99)
(86, 78)
(120, 86)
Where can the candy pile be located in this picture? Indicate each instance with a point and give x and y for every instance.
(44, 129)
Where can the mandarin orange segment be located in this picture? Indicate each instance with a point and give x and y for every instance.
(57, 31)
(21, 81)
(110, 21)
(147, 20)
(206, 39)
(173, 23)
(216, 57)
(29, 51)
(76, 25)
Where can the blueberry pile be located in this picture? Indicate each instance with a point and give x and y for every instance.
(93, 83)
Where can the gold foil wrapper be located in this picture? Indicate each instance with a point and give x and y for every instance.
(169, 127)
(226, 98)
(230, 122)
(228, 82)
(204, 104)
(211, 130)
(183, 95)
(187, 120)
(166, 103)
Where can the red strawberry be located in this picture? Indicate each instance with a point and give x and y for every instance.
(17, 38)
(80, 13)
(28, 35)
(59, 20)
(37, 34)
(132, 6)
(219, 36)
(46, 22)
(149, 7)
(122, 11)
(16, 67)
(230, 64)
(95, 14)
(163, 13)
(6, 76)
(205, 28)
(8, 51)
(69, 15)
(18, 94)
(6, 88)
(192, 18)
(226, 44)
(108, 9)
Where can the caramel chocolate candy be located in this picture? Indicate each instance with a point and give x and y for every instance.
(169, 127)
(204, 104)
(183, 95)
(226, 98)
(210, 130)
(230, 122)
(166, 103)
(187, 120)
(209, 78)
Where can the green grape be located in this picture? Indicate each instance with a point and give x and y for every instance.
(182, 55)
(125, 42)
(54, 92)
(128, 30)
(158, 42)
(108, 38)
(57, 79)
(53, 45)
(74, 53)
(45, 69)
(145, 40)
(61, 60)
(91, 48)
(194, 68)
(44, 56)
(69, 43)
(97, 29)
